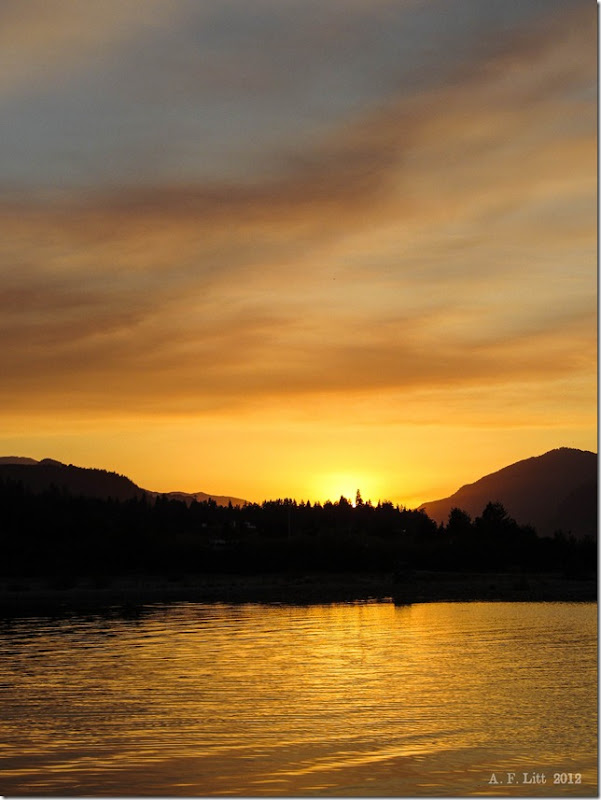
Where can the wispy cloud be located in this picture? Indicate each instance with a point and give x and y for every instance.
(368, 227)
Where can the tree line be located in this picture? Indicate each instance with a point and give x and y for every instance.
(54, 532)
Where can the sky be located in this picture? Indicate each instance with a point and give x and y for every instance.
(296, 248)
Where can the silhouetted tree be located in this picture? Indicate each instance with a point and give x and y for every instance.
(53, 531)
(459, 527)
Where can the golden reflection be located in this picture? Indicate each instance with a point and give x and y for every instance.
(285, 700)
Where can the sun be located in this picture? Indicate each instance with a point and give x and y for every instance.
(332, 486)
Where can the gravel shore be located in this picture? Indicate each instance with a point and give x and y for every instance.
(48, 596)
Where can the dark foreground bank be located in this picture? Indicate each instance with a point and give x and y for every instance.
(43, 596)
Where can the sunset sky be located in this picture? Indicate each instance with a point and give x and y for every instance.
(298, 247)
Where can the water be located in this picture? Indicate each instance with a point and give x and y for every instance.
(362, 699)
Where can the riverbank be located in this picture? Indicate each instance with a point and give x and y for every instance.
(42, 596)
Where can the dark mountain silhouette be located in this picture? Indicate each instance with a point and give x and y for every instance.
(65, 521)
(200, 497)
(42, 475)
(38, 476)
(554, 491)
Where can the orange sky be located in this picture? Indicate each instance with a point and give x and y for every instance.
(296, 249)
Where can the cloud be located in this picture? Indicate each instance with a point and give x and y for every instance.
(42, 43)
(428, 243)
(100, 95)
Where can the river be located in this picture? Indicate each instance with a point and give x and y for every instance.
(357, 699)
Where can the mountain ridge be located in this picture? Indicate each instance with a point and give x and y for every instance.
(553, 491)
(91, 482)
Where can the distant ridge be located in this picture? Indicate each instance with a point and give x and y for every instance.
(200, 497)
(554, 491)
(42, 475)
(39, 476)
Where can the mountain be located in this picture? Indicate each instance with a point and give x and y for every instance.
(200, 497)
(41, 475)
(554, 491)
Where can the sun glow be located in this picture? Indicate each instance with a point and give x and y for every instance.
(333, 486)
(299, 310)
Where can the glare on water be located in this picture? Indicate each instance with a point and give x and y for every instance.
(361, 699)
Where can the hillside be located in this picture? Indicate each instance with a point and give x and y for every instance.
(81, 531)
(554, 491)
(41, 475)
(200, 497)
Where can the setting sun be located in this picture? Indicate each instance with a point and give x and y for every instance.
(333, 486)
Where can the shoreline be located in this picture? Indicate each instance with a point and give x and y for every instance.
(42, 596)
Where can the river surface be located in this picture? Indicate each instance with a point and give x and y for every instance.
(254, 700)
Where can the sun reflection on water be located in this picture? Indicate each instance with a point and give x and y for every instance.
(339, 699)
